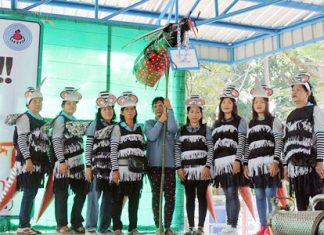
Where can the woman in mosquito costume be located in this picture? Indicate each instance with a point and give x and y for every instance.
(68, 164)
(98, 164)
(127, 144)
(32, 162)
(263, 153)
(304, 144)
(193, 160)
(229, 136)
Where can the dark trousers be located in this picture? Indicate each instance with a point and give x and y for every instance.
(232, 205)
(61, 208)
(191, 189)
(26, 206)
(302, 200)
(169, 193)
(118, 195)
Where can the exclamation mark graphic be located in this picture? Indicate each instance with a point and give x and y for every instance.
(9, 63)
(1, 68)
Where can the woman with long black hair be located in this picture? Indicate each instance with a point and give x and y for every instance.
(304, 144)
(193, 160)
(263, 153)
(98, 164)
(229, 136)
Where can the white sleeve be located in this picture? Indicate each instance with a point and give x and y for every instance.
(23, 126)
(277, 127)
(318, 119)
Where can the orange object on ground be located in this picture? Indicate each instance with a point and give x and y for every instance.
(247, 198)
(48, 196)
(210, 202)
(282, 196)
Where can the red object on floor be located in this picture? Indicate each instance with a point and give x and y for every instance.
(48, 196)
(10, 189)
(210, 202)
(282, 196)
(247, 198)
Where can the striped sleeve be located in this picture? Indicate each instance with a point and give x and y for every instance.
(278, 147)
(246, 152)
(114, 155)
(209, 143)
(58, 149)
(114, 144)
(89, 147)
(240, 147)
(177, 153)
(210, 154)
(320, 146)
(23, 147)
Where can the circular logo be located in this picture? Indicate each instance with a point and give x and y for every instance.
(17, 37)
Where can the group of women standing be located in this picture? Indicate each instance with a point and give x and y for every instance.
(233, 153)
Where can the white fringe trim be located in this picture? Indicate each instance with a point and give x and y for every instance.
(294, 171)
(72, 148)
(101, 144)
(225, 143)
(72, 162)
(299, 150)
(294, 141)
(259, 128)
(224, 128)
(131, 151)
(194, 173)
(193, 154)
(192, 138)
(223, 165)
(126, 175)
(259, 165)
(131, 137)
(20, 169)
(305, 125)
(260, 143)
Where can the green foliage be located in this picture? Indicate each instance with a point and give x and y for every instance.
(212, 78)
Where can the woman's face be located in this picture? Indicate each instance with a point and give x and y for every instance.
(70, 107)
(194, 114)
(129, 113)
(36, 105)
(259, 105)
(227, 105)
(299, 95)
(107, 113)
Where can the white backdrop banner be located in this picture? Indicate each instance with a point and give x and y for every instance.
(19, 66)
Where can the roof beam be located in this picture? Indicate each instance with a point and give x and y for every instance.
(193, 7)
(36, 5)
(167, 7)
(295, 5)
(230, 6)
(241, 11)
(216, 8)
(154, 15)
(124, 9)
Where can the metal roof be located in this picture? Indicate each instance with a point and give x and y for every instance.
(230, 31)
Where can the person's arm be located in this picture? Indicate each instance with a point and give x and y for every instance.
(177, 152)
(246, 151)
(58, 129)
(23, 128)
(114, 143)
(90, 132)
(152, 130)
(319, 133)
(277, 130)
(210, 153)
(172, 124)
(242, 131)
